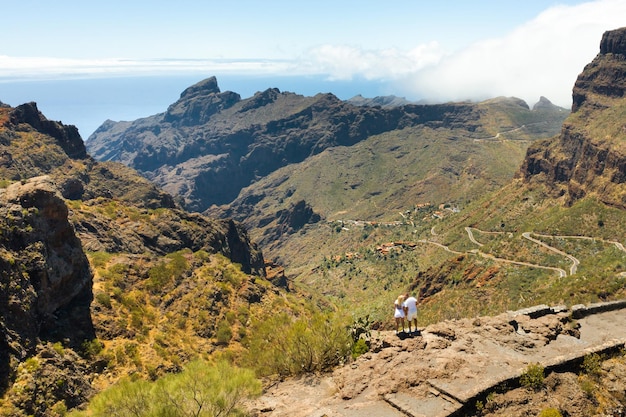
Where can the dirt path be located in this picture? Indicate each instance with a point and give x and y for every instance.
(443, 370)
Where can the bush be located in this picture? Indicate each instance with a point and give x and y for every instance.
(91, 348)
(285, 346)
(224, 333)
(104, 299)
(592, 365)
(533, 377)
(587, 386)
(201, 390)
(550, 412)
(359, 348)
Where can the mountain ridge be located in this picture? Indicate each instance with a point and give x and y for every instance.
(226, 140)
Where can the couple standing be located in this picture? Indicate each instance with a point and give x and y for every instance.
(405, 306)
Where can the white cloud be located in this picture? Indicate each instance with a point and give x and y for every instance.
(28, 68)
(342, 62)
(541, 57)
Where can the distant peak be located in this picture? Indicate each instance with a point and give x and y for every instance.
(543, 103)
(206, 86)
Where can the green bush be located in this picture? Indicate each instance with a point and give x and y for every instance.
(533, 376)
(587, 386)
(592, 365)
(359, 348)
(224, 333)
(201, 390)
(91, 348)
(550, 412)
(286, 346)
(104, 299)
(165, 271)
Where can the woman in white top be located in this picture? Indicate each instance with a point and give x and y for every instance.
(399, 312)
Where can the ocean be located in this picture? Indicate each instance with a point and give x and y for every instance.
(88, 102)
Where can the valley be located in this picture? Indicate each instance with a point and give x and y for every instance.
(228, 248)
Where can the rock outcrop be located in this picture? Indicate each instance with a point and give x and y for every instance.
(470, 367)
(45, 276)
(198, 103)
(27, 116)
(589, 156)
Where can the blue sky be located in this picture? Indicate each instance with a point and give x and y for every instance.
(439, 51)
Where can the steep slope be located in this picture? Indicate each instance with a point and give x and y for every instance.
(210, 144)
(589, 157)
(100, 272)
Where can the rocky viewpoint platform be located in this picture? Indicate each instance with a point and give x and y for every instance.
(449, 366)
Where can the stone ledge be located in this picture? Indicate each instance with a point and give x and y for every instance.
(580, 310)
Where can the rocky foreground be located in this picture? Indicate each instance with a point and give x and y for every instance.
(473, 367)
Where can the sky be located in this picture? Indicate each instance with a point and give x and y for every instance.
(450, 50)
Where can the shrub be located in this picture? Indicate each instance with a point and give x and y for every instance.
(550, 412)
(285, 346)
(587, 386)
(533, 376)
(99, 259)
(359, 348)
(207, 390)
(104, 299)
(592, 365)
(91, 348)
(201, 389)
(165, 271)
(58, 348)
(224, 333)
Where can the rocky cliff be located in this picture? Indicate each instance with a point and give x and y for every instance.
(60, 212)
(589, 156)
(209, 145)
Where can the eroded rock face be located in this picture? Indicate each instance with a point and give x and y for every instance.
(589, 156)
(67, 136)
(199, 102)
(45, 275)
(605, 76)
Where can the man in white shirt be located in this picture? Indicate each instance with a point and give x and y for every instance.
(410, 310)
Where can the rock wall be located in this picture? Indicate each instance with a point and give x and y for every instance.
(589, 156)
(45, 276)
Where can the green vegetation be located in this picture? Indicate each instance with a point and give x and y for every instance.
(282, 345)
(533, 377)
(592, 365)
(201, 390)
(550, 412)
(349, 270)
(165, 271)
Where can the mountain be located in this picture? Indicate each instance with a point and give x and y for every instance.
(589, 156)
(382, 101)
(209, 144)
(106, 281)
(394, 171)
(554, 234)
(102, 275)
